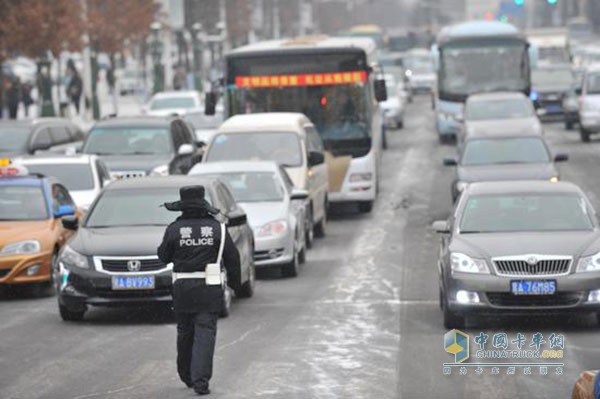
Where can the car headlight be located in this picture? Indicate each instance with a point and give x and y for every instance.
(589, 263)
(70, 257)
(465, 264)
(272, 229)
(461, 185)
(27, 247)
(359, 177)
(162, 170)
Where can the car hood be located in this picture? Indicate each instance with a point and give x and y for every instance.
(490, 245)
(118, 163)
(261, 213)
(536, 171)
(13, 231)
(506, 126)
(118, 241)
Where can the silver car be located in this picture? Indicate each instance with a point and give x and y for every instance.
(519, 248)
(275, 210)
(589, 110)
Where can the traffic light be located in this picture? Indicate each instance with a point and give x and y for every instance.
(552, 2)
(519, 2)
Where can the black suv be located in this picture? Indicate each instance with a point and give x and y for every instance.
(41, 134)
(143, 146)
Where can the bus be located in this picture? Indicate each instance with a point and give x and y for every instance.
(371, 31)
(475, 57)
(335, 82)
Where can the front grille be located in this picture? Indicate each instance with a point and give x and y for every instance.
(121, 265)
(560, 299)
(267, 255)
(127, 174)
(4, 272)
(529, 267)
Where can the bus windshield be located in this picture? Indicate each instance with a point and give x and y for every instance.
(468, 69)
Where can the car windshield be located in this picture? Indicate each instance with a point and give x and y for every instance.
(201, 121)
(134, 207)
(75, 177)
(283, 148)
(18, 202)
(593, 84)
(13, 138)
(172, 102)
(552, 78)
(253, 186)
(499, 109)
(128, 140)
(504, 151)
(525, 212)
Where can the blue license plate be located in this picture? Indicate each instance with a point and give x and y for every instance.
(533, 287)
(132, 282)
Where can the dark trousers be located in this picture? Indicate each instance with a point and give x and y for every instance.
(196, 335)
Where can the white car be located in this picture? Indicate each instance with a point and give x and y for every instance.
(275, 210)
(393, 108)
(83, 175)
(589, 108)
(170, 103)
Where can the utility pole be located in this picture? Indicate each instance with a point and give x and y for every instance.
(276, 20)
(89, 86)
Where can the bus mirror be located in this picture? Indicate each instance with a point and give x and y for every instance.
(380, 90)
(210, 103)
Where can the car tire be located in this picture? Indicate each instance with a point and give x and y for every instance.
(291, 269)
(451, 319)
(309, 229)
(321, 226)
(585, 134)
(70, 315)
(247, 289)
(365, 206)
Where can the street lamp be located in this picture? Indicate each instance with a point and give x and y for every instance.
(197, 40)
(157, 50)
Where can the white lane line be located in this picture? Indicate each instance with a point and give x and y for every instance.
(240, 339)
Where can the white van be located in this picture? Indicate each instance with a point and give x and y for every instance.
(289, 139)
(589, 104)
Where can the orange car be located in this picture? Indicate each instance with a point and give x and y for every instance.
(587, 386)
(31, 232)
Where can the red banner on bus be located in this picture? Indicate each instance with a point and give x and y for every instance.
(311, 79)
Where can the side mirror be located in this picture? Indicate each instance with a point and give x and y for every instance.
(237, 220)
(70, 223)
(64, 210)
(441, 226)
(185, 149)
(210, 103)
(106, 182)
(450, 162)
(315, 158)
(298, 194)
(380, 90)
(561, 157)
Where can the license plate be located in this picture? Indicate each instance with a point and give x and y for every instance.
(132, 282)
(533, 287)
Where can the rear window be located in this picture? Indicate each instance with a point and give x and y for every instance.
(74, 177)
(504, 151)
(499, 109)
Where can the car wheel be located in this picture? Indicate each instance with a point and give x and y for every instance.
(247, 289)
(585, 134)
(321, 226)
(310, 233)
(226, 305)
(365, 206)
(451, 319)
(291, 269)
(70, 315)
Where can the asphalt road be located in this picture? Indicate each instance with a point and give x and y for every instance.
(360, 321)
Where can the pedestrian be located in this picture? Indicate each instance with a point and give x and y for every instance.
(13, 97)
(75, 87)
(26, 96)
(199, 246)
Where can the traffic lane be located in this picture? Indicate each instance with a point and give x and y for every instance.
(421, 319)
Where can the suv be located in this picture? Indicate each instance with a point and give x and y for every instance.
(41, 134)
(142, 146)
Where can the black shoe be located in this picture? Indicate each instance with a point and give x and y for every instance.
(202, 391)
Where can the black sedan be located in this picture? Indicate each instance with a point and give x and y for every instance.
(112, 260)
(520, 248)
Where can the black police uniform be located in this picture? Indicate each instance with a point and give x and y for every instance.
(190, 243)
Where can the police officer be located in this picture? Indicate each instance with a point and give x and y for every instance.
(194, 242)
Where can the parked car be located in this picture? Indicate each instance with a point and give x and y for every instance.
(589, 104)
(31, 233)
(171, 103)
(112, 259)
(519, 248)
(275, 209)
(289, 139)
(143, 146)
(22, 137)
(83, 175)
(492, 157)
(502, 112)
